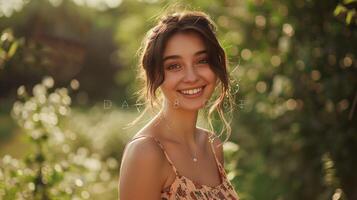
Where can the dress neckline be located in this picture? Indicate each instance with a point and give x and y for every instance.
(221, 177)
(178, 175)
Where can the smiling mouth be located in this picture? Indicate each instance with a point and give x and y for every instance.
(193, 91)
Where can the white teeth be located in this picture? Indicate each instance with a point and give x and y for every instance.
(192, 91)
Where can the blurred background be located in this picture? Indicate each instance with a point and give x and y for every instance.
(67, 84)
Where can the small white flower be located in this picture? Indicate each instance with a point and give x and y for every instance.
(92, 164)
(41, 99)
(112, 163)
(78, 182)
(63, 110)
(17, 108)
(49, 118)
(104, 175)
(35, 117)
(66, 100)
(24, 114)
(31, 186)
(7, 159)
(58, 135)
(62, 91)
(48, 82)
(30, 105)
(21, 91)
(38, 90)
(74, 84)
(36, 134)
(54, 98)
(230, 146)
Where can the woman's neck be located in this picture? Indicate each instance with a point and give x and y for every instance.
(178, 124)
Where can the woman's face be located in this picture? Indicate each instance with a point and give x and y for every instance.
(188, 76)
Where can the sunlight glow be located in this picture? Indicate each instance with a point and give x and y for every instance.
(98, 4)
(7, 8)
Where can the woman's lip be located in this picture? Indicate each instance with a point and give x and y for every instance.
(193, 95)
(203, 86)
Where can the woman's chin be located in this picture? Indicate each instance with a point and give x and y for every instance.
(192, 107)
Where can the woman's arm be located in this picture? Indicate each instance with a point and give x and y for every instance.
(141, 176)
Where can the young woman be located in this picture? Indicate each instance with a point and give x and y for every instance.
(170, 157)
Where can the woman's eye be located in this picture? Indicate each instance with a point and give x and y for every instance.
(203, 61)
(173, 66)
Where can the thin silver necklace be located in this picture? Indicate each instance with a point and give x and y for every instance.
(194, 158)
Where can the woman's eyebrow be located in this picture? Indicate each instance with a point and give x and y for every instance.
(177, 56)
(200, 52)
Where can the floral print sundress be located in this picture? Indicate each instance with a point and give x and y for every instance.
(184, 188)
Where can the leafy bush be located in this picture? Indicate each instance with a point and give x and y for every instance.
(55, 168)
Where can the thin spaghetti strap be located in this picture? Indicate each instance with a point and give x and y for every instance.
(163, 149)
(214, 153)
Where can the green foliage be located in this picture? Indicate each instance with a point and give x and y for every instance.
(57, 169)
(8, 46)
(347, 9)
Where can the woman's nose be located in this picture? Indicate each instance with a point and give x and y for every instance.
(190, 74)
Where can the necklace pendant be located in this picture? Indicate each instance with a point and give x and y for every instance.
(194, 159)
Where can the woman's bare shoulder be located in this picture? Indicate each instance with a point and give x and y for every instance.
(143, 141)
(141, 168)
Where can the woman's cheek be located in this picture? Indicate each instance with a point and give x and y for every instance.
(209, 75)
(169, 84)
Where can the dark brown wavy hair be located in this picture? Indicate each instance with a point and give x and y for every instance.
(151, 69)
